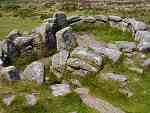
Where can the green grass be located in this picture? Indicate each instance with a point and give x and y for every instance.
(8, 24)
(104, 32)
(47, 103)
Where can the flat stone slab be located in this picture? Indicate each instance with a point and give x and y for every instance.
(100, 105)
(60, 89)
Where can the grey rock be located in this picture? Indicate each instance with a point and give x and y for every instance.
(143, 36)
(59, 61)
(73, 19)
(88, 19)
(144, 46)
(31, 99)
(35, 72)
(126, 46)
(76, 63)
(115, 18)
(13, 34)
(115, 77)
(60, 20)
(49, 20)
(65, 39)
(126, 92)
(87, 55)
(7, 100)
(10, 73)
(60, 89)
(101, 18)
(146, 63)
(112, 54)
(136, 25)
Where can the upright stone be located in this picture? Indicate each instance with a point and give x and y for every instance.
(65, 39)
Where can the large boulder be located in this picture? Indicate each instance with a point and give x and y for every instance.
(88, 19)
(59, 61)
(78, 64)
(88, 55)
(65, 39)
(10, 73)
(34, 72)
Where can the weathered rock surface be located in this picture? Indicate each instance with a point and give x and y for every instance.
(88, 19)
(76, 63)
(59, 61)
(65, 39)
(31, 99)
(73, 19)
(60, 20)
(13, 34)
(35, 72)
(115, 18)
(97, 103)
(101, 18)
(88, 55)
(7, 100)
(60, 89)
(10, 73)
(126, 46)
(87, 40)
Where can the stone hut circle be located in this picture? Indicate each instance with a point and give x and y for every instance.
(69, 52)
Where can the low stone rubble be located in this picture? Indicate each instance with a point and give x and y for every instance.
(60, 89)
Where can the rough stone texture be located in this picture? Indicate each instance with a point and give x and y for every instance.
(101, 18)
(146, 63)
(88, 40)
(65, 39)
(97, 103)
(10, 73)
(115, 77)
(115, 18)
(45, 35)
(73, 19)
(88, 19)
(31, 99)
(13, 34)
(60, 20)
(76, 63)
(60, 89)
(136, 25)
(88, 55)
(142, 36)
(126, 46)
(59, 61)
(7, 100)
(144, 46)
(35, 72)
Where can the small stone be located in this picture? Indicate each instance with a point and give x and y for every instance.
(10, 73)
(35, 72)
(31, 99)
(115, 18)
(7, 100)
(60, 89)
(81, 91)
(126, 92)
